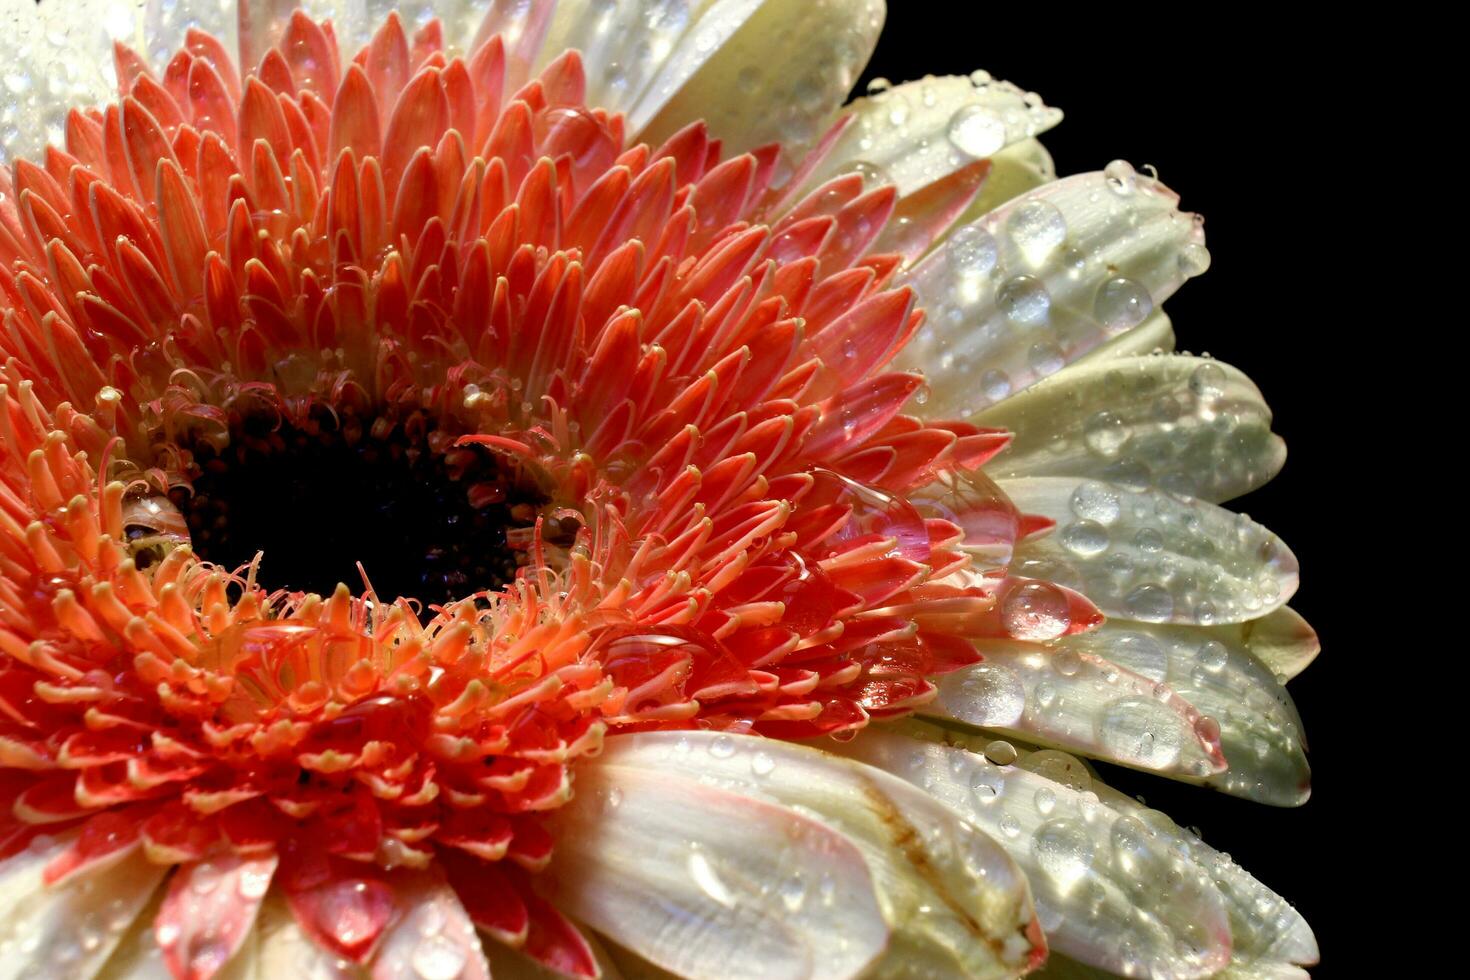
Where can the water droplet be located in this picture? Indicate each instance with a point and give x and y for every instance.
(1207, 728)
(1063, 849)
(1035, 611)
(1097, 502)
(991, 695)
(762, 764)
(1212, 655)
(207, 955)
(977, 131)
(1037, 229)
(1207, 382)
(996, 384)
(722, 747)
(1194, 259)
(1000, 752)
(1121, 178)
(1150, 603)
(987, 783)
(1149, 539)
(1066, 662)
(1141, 731)
(793, 893)
(1060, 768)
(1024, 300)
(438, 958)
(1046, 801)
(1105, 433)
(1046, 358)
(1085, 538)
(204, 878)
(253, 882)
(971, 250)
(1121, 304)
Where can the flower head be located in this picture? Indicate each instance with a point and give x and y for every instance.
(702, 500)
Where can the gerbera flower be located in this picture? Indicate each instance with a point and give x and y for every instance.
(553, 487)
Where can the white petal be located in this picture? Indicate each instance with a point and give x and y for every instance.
(625, 44)
(1145, 555)
(1270, 939)
(1153, 336)
(1213, 669)
(1084, 704)
(914, 134)
(1282, 640)
(165, 25)
(69, 930)
(1109, 889)
(1044, 279)
(690, 876)
(55, 56)
(1018, 169)
(778, 77)
(433, 939)
(1188, 425)
(356, 21)
(283, 949)
(957, 904)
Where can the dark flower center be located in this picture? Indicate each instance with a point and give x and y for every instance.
(426, 519)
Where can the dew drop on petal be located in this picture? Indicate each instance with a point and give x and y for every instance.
(994, 696)
(438, 957)
(1194, 259)
(1121, 304)
(1207, 382)
(1141, 731)
(1105, 433)
(971, 250)
(1064, 850)
(1000, 752)
(977, 131)
(1150, 603)
(253, 882)
(996, 384)
(1121, 178)
(1085, 538)
(1066, 662)
(1037, 229)
(1097, 501)
(1035, 611)
(1024, 300)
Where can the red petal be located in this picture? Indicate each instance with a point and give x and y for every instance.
(209, 910)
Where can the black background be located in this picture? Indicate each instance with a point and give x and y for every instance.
(1232, 116)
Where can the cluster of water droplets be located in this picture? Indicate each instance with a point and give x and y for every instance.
(1240, 701)
(918, 132)
(1189, 426)
(1101, 876)
(1146, 555)
(1033, 285)
(53, 57)
(1054, 695)
(68, 929)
